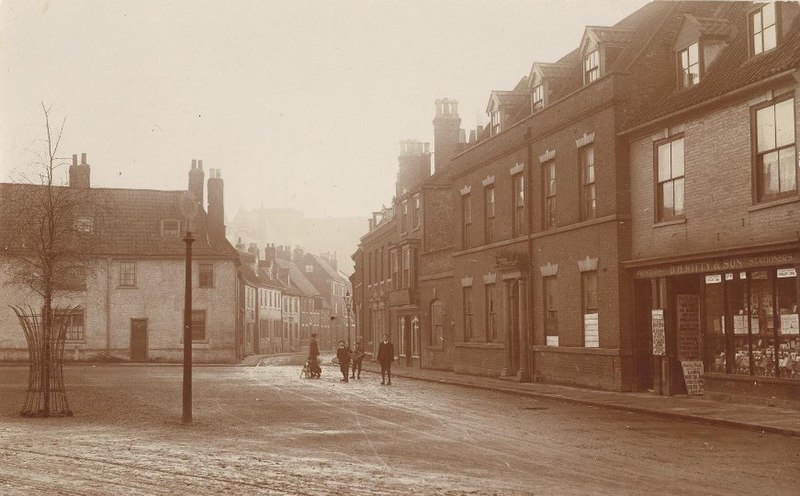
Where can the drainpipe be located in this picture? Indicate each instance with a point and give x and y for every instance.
(108, 305)
(531, 286)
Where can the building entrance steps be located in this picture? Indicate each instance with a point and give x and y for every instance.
(680, 407)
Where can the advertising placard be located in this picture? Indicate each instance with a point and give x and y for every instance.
(657, 325)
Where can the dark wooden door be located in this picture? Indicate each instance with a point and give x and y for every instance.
(138, 339)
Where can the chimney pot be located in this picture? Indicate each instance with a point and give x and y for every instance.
(199, 164)
(83, 158)
(74, 159)
(194, 164)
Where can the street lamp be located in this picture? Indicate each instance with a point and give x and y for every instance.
(188, 208)
(348, 303)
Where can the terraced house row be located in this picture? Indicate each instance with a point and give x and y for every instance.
(630, 210)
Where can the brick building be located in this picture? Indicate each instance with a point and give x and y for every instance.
(546, 240)
(715, 244)
(132, 300)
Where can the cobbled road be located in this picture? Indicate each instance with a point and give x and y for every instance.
(263, 430)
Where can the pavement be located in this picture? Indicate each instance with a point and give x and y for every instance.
(682, 407)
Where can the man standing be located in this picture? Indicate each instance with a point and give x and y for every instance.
(343, 354)
(357, 358)
(385, 357)
(313, 354)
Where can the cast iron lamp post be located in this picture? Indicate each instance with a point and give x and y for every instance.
(188, 209)
(348, 303)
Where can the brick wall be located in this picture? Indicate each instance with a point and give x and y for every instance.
(718, 189)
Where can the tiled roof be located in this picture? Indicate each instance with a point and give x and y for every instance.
(325, 266)
(710, 26)
(612, 34)
(128, 222)
(734, 69)
(298, 279)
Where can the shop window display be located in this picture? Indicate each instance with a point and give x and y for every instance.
(752, 323)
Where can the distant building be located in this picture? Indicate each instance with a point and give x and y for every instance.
(132, 307)
(292, 227)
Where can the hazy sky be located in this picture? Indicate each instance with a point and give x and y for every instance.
(302, 104)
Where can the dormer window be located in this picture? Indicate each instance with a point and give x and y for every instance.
(689, 62)
(496, 121)
(537, 97)
(764, 30)
(591, 67)
(170, 227)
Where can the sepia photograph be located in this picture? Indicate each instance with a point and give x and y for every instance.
(399, 247)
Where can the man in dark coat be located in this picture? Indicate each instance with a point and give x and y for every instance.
(343, 354)
(358, 358)
(385, 357)
(313, 354)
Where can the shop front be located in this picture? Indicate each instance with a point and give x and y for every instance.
(733, 318)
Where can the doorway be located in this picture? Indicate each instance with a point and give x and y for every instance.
(643, 351)
(138, 340)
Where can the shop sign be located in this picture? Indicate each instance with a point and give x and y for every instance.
(552, 340)
(693, 376)
(727, 264)
(590, 331)
(657, 324)
(714, 279)
(783, 273)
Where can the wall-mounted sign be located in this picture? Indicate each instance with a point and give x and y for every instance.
(714, 279)
(726, 264)
(790, 324)
(729, 276)
(782, 273)
(657, 324)
(552, 340)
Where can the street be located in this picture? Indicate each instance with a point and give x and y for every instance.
(263, 430)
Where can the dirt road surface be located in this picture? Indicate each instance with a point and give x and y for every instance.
(263, 430)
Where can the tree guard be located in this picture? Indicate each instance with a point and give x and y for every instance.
(46, 396)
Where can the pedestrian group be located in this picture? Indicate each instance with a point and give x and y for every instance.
(353, 357)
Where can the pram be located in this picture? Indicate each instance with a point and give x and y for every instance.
(311, 370)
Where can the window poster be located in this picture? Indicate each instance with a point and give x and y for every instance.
(790, 324)
(590, 331)
(552, 340)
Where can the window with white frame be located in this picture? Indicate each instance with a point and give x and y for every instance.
(127, 273)
(549, 197)
(518, 185)
(763, 29)
(496, 121)
(588, 189)
(537, 97)
(488, 212)
(669, 187)
(689, 62)
(466, 220)
(591, 66)
(776, 153)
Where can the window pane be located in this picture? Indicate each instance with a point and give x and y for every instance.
(757, 22)
(677, 158)
(769, 179)
(684, 59)
(765, 124)
(757, 47)
(768, 13)
(770, 38)
(788, 171)
(784, 123)
(663, 162)
(693, 55)
(678, 196)
(667, 196)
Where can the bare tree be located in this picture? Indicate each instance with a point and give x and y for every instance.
(48, 237)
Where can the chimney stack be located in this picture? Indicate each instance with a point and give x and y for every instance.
(446, 132)
(216, 206)
(79, 173)
(196, 180)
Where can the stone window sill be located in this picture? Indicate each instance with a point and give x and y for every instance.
(773, 203)
(672, 222)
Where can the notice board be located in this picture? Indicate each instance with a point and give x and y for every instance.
(693, 376)
(657, 324)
